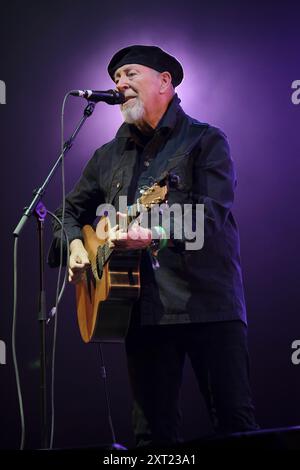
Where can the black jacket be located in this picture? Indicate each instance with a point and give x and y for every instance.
(200, 285)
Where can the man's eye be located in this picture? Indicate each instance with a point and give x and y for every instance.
(131, 74)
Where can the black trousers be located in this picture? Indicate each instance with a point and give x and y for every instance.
(219, 356)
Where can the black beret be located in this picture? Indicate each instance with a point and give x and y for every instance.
(150, 56)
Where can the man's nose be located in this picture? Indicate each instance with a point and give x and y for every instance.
(122, 83)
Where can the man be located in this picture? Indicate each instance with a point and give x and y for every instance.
(193, 303)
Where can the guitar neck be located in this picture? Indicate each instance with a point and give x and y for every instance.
(156, 194)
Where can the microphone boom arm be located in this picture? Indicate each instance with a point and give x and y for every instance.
(39, 193)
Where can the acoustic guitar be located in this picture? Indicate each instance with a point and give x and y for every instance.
(110, 286)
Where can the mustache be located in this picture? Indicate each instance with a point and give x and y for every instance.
(131, 93)
(128, 97)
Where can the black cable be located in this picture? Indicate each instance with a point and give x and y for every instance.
(13, 343)
(107, 399)
(60, 267)
(53, 312)
(59, 293)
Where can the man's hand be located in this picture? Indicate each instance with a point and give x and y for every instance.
(78, 261)
(135, 238)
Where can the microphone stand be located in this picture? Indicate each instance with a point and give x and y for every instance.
(40, 211)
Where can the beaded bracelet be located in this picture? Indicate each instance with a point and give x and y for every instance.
(157, 244)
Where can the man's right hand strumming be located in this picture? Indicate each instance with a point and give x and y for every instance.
(78, 261)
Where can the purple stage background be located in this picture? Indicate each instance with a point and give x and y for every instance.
(239, 65)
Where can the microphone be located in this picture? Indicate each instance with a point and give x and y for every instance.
(108, 96)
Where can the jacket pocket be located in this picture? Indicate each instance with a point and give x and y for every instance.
(181, 169)
(176, 161)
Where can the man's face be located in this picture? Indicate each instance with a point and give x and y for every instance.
(141, 87)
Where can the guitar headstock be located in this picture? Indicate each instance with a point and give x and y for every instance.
(156, 194)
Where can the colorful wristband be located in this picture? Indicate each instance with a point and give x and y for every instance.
(163, 241)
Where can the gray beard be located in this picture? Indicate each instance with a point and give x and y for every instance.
(133, 114)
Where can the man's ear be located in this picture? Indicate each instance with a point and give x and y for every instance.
(166, 81)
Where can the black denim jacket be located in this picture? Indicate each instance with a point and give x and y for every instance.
(200, 285)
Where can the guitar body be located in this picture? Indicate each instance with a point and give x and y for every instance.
(109, 288)
(105, 298)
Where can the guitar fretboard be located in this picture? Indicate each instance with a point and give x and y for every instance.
(105, 251)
